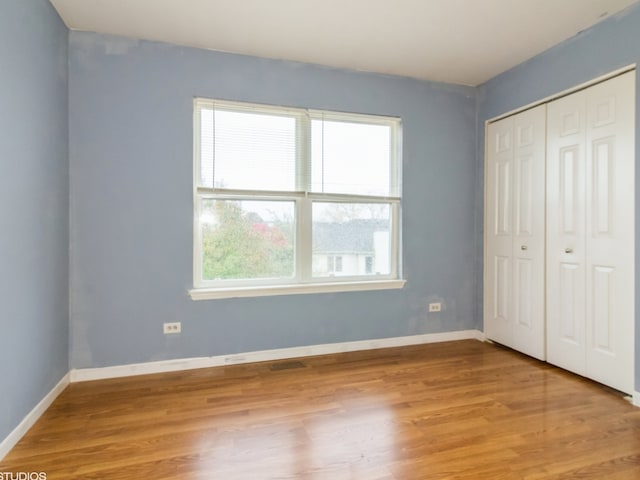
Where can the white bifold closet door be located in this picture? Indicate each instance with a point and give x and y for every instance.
(590, 232)
(515, 232)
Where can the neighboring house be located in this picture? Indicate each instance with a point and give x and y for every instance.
(356, 247)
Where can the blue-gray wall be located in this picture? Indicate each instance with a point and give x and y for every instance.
(34, 220)
(610, 45)
(131, 204)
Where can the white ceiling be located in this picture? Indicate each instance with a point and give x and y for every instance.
(455, 41)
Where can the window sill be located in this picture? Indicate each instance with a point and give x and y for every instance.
(266, 290)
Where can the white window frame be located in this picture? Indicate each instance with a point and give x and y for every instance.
(303, 281)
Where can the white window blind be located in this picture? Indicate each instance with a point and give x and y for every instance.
(243, 149)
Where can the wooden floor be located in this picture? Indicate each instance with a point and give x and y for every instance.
(458, 410)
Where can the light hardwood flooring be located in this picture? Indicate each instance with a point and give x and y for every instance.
(457, 410)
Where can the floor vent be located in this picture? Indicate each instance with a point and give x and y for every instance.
(286, 365)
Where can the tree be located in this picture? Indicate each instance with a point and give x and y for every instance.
(347, 212)
(238, 245)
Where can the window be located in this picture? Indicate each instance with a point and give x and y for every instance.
(368, 264)
(334, 264)
(293, 200)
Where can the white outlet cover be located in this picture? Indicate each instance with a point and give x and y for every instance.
(171, 328)
(435, 307)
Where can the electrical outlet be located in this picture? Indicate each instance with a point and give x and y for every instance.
(171, 328)
(435, 307)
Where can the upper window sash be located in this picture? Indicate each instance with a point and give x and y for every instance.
(304, 164)
(394, 181)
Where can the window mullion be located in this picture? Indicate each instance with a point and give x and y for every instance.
(303, 206)
(303, 239)
(395, 239)
(303, 153)
(393, 166)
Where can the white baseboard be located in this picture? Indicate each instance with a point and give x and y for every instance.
(635, 400)
(87, 374)
(32, 417)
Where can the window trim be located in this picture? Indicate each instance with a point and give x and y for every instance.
(211, 293)
(303, 280)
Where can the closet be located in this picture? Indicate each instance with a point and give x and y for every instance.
(559, 232)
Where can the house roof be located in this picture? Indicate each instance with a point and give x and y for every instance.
(353, 237)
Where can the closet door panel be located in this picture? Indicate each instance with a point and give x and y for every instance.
(566, 194)
(499, 232)
(610, 218)
(514, 248)
(529, 232)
